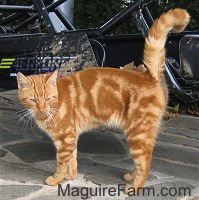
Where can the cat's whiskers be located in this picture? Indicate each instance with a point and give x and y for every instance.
(31, 120)
(51, 117)
(32, 124)
(21, 115)
(54, 110)
(27, 121)
(25, 117)
(20, 111)
(55, 113)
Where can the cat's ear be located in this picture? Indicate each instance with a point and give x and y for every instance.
(22, 81)
(52, 80)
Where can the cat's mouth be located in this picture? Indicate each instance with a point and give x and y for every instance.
(41, 116)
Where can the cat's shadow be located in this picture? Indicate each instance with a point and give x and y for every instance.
(101, 157)
(100, 173)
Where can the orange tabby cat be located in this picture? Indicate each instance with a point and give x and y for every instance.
(130, 99)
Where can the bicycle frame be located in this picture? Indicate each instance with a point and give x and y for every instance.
(137, 9)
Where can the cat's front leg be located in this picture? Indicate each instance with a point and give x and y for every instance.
(72, 167)
(65, 146)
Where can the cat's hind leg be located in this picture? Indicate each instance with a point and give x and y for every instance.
(140, 139)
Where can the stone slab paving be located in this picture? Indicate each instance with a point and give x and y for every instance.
(27, 157)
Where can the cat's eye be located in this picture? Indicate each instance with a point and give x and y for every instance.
(33, 100)
(47, 99)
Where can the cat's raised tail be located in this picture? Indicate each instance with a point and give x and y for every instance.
(154, 51)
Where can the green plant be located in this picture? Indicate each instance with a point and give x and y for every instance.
(159, 6)
(90, 14)
(93, 14)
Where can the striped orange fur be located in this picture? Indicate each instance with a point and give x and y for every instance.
(130, 99)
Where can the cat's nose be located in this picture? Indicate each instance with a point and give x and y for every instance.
(42, 108)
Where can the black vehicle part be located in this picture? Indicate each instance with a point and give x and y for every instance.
(99, 51)
(40, 7)
(176, 88)
(37, 10)
(189, 58)
(42, 53)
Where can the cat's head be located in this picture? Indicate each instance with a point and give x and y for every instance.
(38, 93)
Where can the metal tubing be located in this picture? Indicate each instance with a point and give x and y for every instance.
(40, 7)
(64, 19)
(15, 8)
(106, 28)
(11, 18)
(147, 15)
(117, 20)
(176, 88)
(141, 22)
(31, 19)
(55, 5)
(120, 17)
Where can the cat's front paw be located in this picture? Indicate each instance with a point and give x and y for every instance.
(52, 181)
